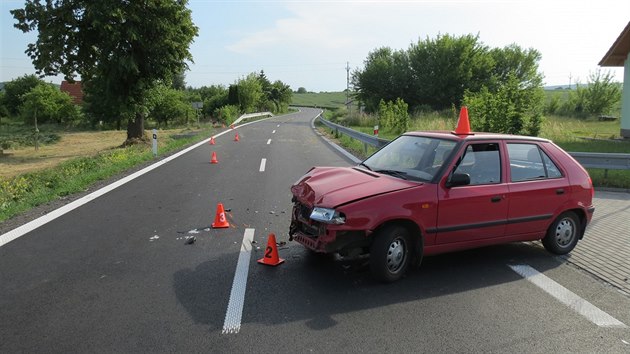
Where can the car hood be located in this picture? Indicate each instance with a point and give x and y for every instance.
(333, 186)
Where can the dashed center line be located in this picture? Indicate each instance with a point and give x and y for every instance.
(278, 126)
(567, 297)
(234, 312)
(268, 141)
(263, 162)
(273, 132)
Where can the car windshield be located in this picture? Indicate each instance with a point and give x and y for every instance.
(411, 157)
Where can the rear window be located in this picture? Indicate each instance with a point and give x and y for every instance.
(528, 162)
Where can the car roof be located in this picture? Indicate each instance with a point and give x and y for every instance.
(444, 134)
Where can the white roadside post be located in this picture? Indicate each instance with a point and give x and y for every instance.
(154, 142)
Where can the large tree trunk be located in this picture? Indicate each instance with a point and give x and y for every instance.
(135, 128)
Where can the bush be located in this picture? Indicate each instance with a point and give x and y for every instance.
(228, 113)
(509, 109)
(394, 116)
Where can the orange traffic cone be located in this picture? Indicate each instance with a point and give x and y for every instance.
(212, 141)
(214, 158)
(271, 252)
(236, 138)
(463, 124)
(220, 221)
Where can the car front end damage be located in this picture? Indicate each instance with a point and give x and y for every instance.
(335, 210)
(311, 227)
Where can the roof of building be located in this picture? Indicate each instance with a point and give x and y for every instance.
(74, 90)
(618, 53)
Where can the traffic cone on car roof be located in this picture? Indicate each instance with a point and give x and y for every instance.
(463, 124)
(213, 159)
(220, 221)
(271, 253)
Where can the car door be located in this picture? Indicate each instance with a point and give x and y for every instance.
(537, 189)
(478, 210)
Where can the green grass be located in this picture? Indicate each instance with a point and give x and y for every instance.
(24, 192)
(329, 100)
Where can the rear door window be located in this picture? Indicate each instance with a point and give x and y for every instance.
(529, 162)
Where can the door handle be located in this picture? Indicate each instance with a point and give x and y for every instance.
(560, 191)
(496, 199)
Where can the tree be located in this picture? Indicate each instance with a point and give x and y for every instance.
(444, 68)
(179, 81)
(386, 76)
(127, 47)
(507, 108)
(15, 90)
(301, 90)
(601, 93)
(438, 72)
(45, 103)
(280, 94)
(249, 93)
(520, 63)
(168, 105)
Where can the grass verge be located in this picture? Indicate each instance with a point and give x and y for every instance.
(23, 192)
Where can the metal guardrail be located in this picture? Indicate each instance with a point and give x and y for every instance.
(366, 139)
(252, 115)
(605, 161)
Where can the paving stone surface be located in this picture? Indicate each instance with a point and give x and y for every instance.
(605, 249)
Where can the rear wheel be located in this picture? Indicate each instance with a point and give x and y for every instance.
(563, 234)
(390, 253)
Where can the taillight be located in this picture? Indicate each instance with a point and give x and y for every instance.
(590, 183)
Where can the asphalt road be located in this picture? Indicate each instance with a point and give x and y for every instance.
(116, 274)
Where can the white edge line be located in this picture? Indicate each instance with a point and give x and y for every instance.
(565, 296)
(234, 313)
(34, 224)
(263, 163)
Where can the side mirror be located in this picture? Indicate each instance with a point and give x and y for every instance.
(458, 179)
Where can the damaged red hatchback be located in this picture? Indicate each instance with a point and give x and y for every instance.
(433, 192)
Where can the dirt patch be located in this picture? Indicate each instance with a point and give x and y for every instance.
(71, 145)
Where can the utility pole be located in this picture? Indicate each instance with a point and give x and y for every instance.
(569, 81)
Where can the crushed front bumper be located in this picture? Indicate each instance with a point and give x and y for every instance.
(321, 237)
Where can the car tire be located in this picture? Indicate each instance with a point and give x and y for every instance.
(390, 253)
(563, 234)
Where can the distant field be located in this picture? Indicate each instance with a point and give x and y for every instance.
(330, 100)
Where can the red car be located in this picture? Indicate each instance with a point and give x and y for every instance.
(433, 192)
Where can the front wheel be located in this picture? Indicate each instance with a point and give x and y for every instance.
(563, 234)
(390, 253)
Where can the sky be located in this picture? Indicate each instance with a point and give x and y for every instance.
(309, 43)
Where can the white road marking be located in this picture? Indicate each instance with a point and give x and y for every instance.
(278, 126)
(34, 224)
(28, 227)
(234, 312)
(567, 297)
(263, 162)
(268, 141)
(273, 132)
